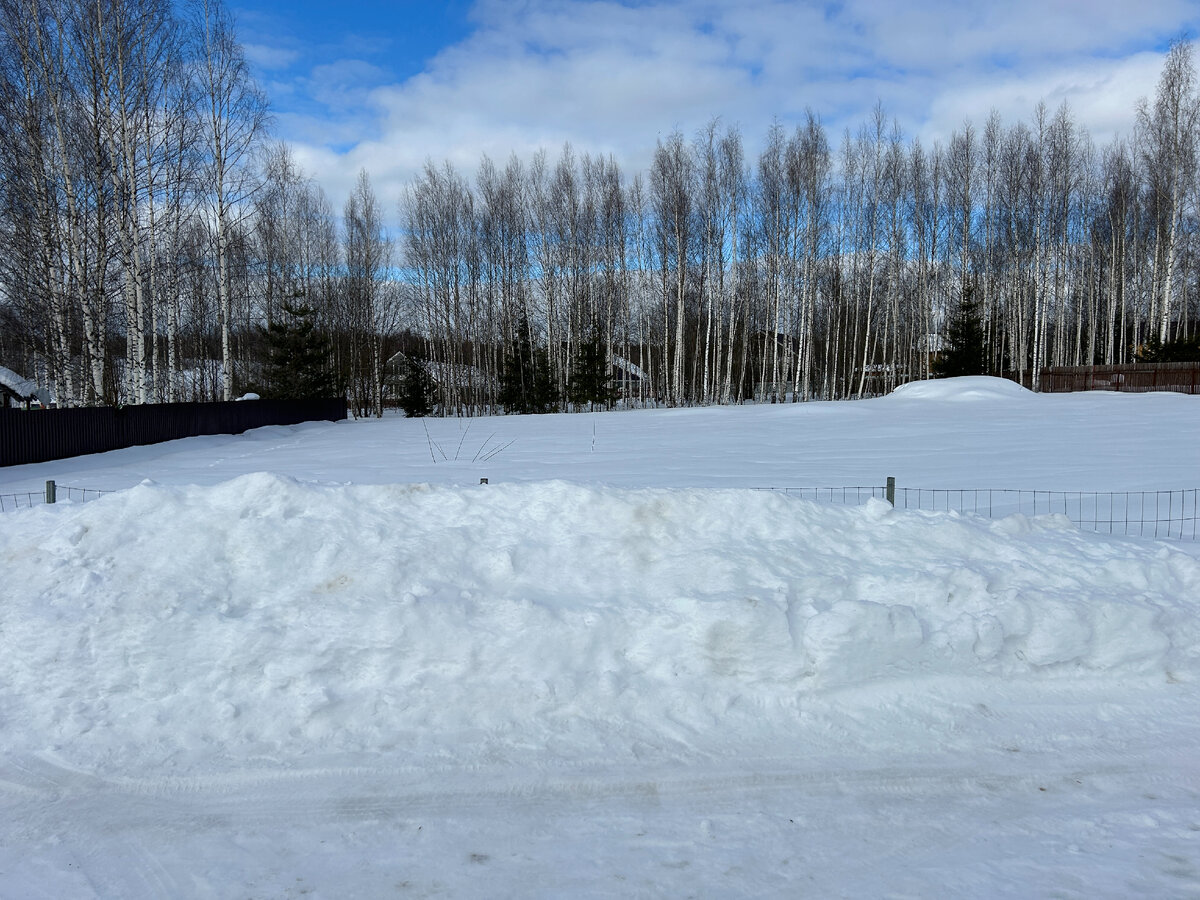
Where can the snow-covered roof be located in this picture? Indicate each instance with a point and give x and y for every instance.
(22, 387)
(627, 366)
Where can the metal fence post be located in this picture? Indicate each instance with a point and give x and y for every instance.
(51, 492)
(891, 490)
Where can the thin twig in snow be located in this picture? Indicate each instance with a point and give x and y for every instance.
(458, 450)
(499, 449)
(432, 444)
(483, 445)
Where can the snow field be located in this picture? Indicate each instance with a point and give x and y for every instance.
(974, 433)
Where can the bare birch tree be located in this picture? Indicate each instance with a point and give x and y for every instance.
(234, 117)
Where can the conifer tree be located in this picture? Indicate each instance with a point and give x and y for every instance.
(418, 393)
(297, 356)
(526, 385)
(965, 352)
(1181, 349)
(591, 376)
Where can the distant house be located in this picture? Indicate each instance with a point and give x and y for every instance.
(19, 392)
(625, 373)
(446, 376)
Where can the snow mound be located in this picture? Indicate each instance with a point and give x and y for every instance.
(266, 617)
(965, 388)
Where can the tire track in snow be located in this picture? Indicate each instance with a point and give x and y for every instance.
(52, 798)
(129, 837)
(325, 795)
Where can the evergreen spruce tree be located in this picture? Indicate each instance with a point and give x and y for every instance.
(297, 356)
(591, 376)
(1181, 349)
(418, 393)
(525, 382)
(965, 351)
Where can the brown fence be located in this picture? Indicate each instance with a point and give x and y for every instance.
(1179, 378)
(31, 436)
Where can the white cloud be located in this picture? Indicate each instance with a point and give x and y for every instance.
(344, 83)
(612, 77)
(270, 58)
(1102, 95)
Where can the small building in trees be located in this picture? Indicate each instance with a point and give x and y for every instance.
(626, 375)
(409, 385)
(445, 379)
(19, 392)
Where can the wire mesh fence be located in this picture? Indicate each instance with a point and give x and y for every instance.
(80, 494)
(52, 494)
(854, 495)
(1159, 514)
(22, 500)
(1171, 514)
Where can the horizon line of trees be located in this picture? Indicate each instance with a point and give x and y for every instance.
(150, 230)
(809, 271)
(152, 235)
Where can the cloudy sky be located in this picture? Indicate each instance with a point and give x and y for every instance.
(385, 85)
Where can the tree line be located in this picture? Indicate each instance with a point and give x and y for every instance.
(153, 238)
(150, 230)
(810, 270)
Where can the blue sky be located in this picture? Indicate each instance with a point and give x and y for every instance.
(319, 61)
(385, 86)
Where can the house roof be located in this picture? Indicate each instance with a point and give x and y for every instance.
(22, 388)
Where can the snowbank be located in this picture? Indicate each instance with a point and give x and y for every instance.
(963, 389)
(266, 618)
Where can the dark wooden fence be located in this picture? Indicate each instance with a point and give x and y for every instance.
(1180, 378)
(30, 436)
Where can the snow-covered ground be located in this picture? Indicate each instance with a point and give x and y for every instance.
(324, 661)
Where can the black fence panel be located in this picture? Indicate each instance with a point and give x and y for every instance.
(39, 435)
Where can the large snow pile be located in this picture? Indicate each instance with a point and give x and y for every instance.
(264, 617)
(965, 388)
